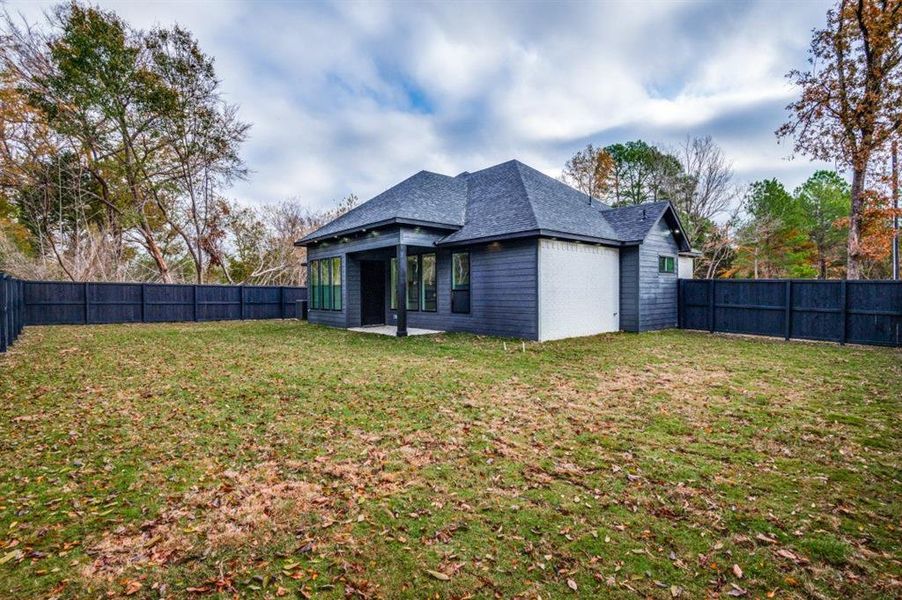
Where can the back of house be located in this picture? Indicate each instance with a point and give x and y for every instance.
(505, 251)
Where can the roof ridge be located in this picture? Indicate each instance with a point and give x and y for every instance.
(532, 210)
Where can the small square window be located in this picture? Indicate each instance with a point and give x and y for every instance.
(666, 264)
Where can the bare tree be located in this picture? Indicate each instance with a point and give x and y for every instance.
(851, 103)
(705, 189)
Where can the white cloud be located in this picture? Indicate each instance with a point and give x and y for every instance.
(353, 97)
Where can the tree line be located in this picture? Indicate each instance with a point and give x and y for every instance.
(849, 112)
(117, 153)
(761, 230)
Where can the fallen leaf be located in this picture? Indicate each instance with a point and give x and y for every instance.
(786, 554)
(438, 575)
(572, 585)
(763, 538)
(675, 591)
(15, 554)
(737, 571)
(132, 588)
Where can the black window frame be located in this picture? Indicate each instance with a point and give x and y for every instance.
(316, 269)
(460, 293)
(413, 284)
(417, 265)
(434, 287)
(663, 261)
(313, 280)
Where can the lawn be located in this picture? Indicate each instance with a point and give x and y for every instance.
(285, 459)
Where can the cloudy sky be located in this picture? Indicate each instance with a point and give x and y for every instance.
(353, 97)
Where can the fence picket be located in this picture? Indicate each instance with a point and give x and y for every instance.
(857, 312)
(70, 303)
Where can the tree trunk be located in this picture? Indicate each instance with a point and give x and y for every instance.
(853, 270)
(155, 252)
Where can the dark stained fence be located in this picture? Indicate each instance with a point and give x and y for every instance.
(12, 311)
(67, 303)
(858, 312)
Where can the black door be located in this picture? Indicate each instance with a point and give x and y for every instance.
(372, 292)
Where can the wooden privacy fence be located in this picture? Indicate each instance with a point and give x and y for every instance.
(859, 312)
(12, 311)
(70, 303)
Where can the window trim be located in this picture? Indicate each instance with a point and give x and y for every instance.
(413, 269)
(421, 291)
(663, 260)
(317, 284)
(455, 287)
(313, 276)
(423, 282)
(336, 287)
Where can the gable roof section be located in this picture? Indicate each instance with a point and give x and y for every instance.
(513, 198)
(632, 223)
(424, 198)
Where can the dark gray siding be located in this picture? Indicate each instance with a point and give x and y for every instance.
(657, 291)
(503, 292)
(350, 275)
(503, 285)
(629, 288)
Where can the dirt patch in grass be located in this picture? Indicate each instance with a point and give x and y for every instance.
(257, 504)
(248, 506)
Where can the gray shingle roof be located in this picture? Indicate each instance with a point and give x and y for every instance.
(427, 197)
(506, 199)
(632, 223)
(515, 198)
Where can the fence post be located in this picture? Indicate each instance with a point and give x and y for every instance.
(281, 302)
(679, 303)
(194, 287)
(143, 302)
(788, 308)
(3, 313)
(20, 310)
(844, 310)
(711, 305)
(241, 289)
(87, 305)
(20, 290)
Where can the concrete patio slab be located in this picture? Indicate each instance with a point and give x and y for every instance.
(392, 330)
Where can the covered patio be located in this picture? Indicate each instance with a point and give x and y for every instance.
(392, 330)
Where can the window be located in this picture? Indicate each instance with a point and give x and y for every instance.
(413, 283)
(336, 283)
(394, 284)
(313, 272)
(325, 283)
(666, 264)
(460, 282)
(325, 278)
(421, 288)
(429, 292)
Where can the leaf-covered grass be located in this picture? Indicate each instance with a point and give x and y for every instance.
(284, 459)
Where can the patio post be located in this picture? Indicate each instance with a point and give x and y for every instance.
(402, 290)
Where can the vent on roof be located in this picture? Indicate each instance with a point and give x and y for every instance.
(643, 214)
(464, 174)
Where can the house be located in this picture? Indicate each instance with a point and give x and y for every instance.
(504, 251)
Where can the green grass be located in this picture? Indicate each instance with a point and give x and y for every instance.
(284, 459)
